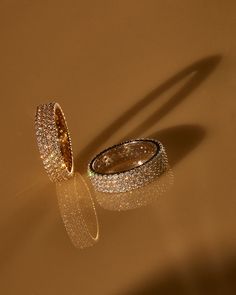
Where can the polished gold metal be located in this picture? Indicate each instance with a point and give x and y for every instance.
(54, 141)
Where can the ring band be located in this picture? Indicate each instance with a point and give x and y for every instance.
(54, 141)
(128, 165)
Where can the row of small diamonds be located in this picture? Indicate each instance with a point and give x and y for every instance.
(135, 178)
(47, 138)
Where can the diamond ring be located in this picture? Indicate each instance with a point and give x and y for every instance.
(128, 165)
(54, 141)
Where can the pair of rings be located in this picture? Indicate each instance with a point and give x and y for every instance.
(120, 168)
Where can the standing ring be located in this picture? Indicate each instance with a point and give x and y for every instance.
(54, 141)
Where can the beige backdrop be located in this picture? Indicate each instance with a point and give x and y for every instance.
(121, 69)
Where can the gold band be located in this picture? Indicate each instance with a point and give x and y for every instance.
(54, 141)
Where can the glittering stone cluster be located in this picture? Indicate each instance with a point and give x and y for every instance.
(47, 135)
(139, 197)
(133, 178)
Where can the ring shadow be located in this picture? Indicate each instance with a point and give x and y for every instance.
(198, 72)
(180, 140)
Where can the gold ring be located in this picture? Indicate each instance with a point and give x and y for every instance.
(54, 141)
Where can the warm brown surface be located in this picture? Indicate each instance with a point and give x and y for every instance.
(121, 69)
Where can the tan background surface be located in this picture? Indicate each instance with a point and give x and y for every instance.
(121, 69)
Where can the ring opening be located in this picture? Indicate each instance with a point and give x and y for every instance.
(64, 139)
(125, 157)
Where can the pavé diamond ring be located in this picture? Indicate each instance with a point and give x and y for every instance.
(54, 141)
(128, 165)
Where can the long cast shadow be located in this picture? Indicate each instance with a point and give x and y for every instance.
(198, 71)
(180, 140)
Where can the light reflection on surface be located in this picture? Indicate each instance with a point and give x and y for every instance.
(78, 211)
(138, 197)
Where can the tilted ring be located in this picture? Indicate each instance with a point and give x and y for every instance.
(128, 165)
(54, 141)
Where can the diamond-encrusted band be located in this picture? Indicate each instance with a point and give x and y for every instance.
(128, 165)
(54, 141)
